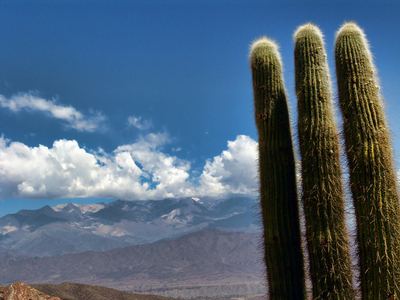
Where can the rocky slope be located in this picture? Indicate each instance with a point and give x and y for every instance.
(75, 291)
(22, 291)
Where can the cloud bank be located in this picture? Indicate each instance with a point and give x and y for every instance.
(73, 118)
(135, 171)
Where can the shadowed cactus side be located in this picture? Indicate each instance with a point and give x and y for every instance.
(322, 191)
(278, 191)
(372, 175)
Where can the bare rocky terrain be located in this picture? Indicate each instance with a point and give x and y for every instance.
(22, 291)
(68, 291)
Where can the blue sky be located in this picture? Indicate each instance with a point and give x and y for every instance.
(101, 100)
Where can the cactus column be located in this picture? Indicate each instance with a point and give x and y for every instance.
(372, 176)
(278, 191)
(322, 193)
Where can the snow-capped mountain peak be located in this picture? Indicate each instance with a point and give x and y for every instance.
(69, 228)
(71, 207)
(91, 207)
(59, 207)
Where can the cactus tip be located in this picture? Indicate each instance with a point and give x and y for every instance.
(262, 42)
(308, 27)
(265, 42)
(351, 28)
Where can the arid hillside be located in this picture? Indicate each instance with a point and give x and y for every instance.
(75, 291)
(22, 291)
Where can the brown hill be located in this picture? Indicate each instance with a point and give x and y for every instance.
(75, 291)
(22, 291)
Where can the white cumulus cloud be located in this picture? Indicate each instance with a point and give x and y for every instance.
(135, 171)
(139, 123)
(232, 172)
(73, 118)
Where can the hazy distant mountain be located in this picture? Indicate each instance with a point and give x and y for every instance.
(72, 228)
(206, 262)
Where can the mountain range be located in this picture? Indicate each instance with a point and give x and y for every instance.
(72, 228)
(186, 247)
(207, 262)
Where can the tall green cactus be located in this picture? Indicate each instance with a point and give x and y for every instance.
(277, 175)
(372, 176)
(322, 192)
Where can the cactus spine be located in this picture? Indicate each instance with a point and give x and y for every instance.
(372, 176)
(278, 192)
(322, 193)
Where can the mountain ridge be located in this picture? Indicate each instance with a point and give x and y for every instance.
(22, 291)
(201, 262)
(73, 228)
